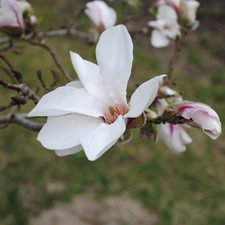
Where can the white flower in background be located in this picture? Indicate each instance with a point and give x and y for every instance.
(101, 15)
(186, 11)
(200, 116)
(174, 136)
(11, 20)
(92, 114)
(165, 27)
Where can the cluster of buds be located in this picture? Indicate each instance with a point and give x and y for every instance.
(174, 115)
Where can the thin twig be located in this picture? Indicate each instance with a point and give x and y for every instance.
(52, 53)
(179, 42)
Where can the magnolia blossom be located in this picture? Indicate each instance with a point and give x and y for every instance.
(101, 15)
(186, 11)
(92, 114)
(200, 116)
(174, 136)
(11, 20)
(166, 26)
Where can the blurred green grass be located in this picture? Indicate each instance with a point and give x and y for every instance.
(186, 189)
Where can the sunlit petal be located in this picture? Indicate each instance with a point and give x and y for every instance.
(114, 54)
(63, 132)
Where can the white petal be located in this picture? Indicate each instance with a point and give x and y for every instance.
(89, 76)
(76, 84)
(144, 96)
(66, 100)
(69, 151)
(98, 141)
(166, 13)
(159, 40)
(63, 132)
(114, 54)
(110, 18)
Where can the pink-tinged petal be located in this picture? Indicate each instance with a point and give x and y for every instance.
(144, 96)
(174, 137)
(66, 100)
(99, 140)
(159, 40)
(99, 13)
(69, 151)
(89, 76)
(64, 132)
(201, 116)
(210, 125)
(11, 9)
(114, 54)
(174, 4)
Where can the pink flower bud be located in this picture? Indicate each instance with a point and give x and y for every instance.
(200, 116)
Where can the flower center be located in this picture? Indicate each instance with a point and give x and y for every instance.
(166, 27)
(114, 111)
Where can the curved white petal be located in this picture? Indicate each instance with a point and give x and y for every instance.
(99, 140)
(210, 125)
(75, 84)
(166, 13)
(69, 151)
(203, 116)
(89, 76)
(144, 96)
(114, 54)
(63, 132)
(159, 40)
(110, 19)
(66, 100)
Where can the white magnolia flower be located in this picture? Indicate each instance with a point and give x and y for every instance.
(92, 114)
(166, 26)
(11, 20)
(186, 11)
(101, 15)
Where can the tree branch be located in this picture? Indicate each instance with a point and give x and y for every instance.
(21, 119)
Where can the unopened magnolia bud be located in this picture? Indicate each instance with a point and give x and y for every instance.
(187, 12)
